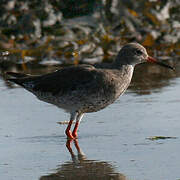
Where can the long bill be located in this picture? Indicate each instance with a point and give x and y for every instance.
(153, 60)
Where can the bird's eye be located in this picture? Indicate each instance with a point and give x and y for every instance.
(138, 52)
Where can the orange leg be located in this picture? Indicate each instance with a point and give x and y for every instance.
(74, 133)
(74, 116)
(78, 119)
(68, 131)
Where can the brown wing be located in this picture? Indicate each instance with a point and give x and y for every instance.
(61, 81)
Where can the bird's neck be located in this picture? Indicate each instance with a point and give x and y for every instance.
(122, 65)
(124, 75)
(123, 61)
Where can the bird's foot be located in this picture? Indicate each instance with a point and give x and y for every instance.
(74, 134)
(69, 135)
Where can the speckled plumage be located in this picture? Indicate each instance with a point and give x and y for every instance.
(82, 88)
(85, 88)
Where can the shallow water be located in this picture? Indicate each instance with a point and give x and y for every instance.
(114, 141)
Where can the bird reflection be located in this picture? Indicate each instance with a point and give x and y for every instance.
(80, 168)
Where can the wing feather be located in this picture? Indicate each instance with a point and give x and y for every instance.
(61, 81)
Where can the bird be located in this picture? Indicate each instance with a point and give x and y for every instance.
(84, 89)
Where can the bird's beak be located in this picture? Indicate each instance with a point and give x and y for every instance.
(153, 60)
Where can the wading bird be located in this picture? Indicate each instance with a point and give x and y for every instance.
(85, 88)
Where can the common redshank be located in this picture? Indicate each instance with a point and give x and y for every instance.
(84, 88)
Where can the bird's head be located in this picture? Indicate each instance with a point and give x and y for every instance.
(134, 53)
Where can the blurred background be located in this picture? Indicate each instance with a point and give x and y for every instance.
(57, 32)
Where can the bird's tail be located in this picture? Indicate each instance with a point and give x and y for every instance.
(17, 78)
(17, 75)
